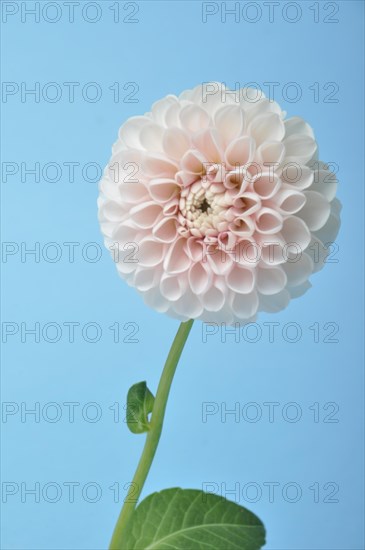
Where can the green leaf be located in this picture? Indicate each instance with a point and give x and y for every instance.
(193, 520)
(139, 405)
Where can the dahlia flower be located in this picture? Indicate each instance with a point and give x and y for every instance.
(217, 205)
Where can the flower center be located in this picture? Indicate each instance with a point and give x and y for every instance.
(202, 209)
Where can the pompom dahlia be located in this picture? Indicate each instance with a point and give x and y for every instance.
(217, 205)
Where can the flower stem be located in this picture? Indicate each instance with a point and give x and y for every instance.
(153, 435)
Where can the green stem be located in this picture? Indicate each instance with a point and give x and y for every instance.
(153, 435)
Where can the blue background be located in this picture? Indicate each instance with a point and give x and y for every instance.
(168, 50)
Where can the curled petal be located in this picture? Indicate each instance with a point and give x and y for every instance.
(176, 260)
(298, 176)
(295, 231)
(189, 305)
(266, 127)
(219, 261)
(229, 121)
(159, 166)
(145, 215)
(134, 192)
(163, 189)
(270, 280)
(150, 252)
(171, 287)
(266, 185)
(242, 227)
(175, 143)
(194, 162)
(268, 221)
(145, 279)
(208, 142)
(270, 153)
(130, 132)
(289, 201)
(166, 230)
(241, 279)
(161, 107)
(299, 148)
(328, 232)
(193, 118)
(199, 277)
(316, 210)
(274, 302)
(240, 151)
(150, 137)
(245, 305)
(296, 125)
(299, 270)
(154, 299)
(325, 182)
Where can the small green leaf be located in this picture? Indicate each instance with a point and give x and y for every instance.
(189, 519)
(139, 405)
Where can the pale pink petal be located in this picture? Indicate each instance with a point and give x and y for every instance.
(194, 162)
(270, 280)
(299, 148)
(151, 136)
(241, 279)
(229, 121)
(316, 210)
(175, 143)
(289, 201)
(266, 185)
(200, 277)
(150, 252)
(208, 142)
(163, 189)
(325, 182)
(189, 305)
(296, 231)
(146, 214)
(267, 127)
(176, 260)
(166, 230)
(299, 270)
(158, 166)
(193, 118)
(240, 151)
(274, 302)
(130, 132)
(298, 176)
(171, 287)
(245, 305)
(268, 221)
(296, 125)
(270, 153)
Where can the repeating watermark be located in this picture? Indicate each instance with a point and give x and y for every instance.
(72, 252)
(290, 91)
(93, 412)
(244, 12)
(270, 412)
(292, 492)
(291, 332)
(63, 412)
(71, 171)
(69, 332)
(68, 171)
(69, 92)
(92, 492)
(70, 12)
(70, 492)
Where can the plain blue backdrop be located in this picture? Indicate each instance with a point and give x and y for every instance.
(311, 451)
